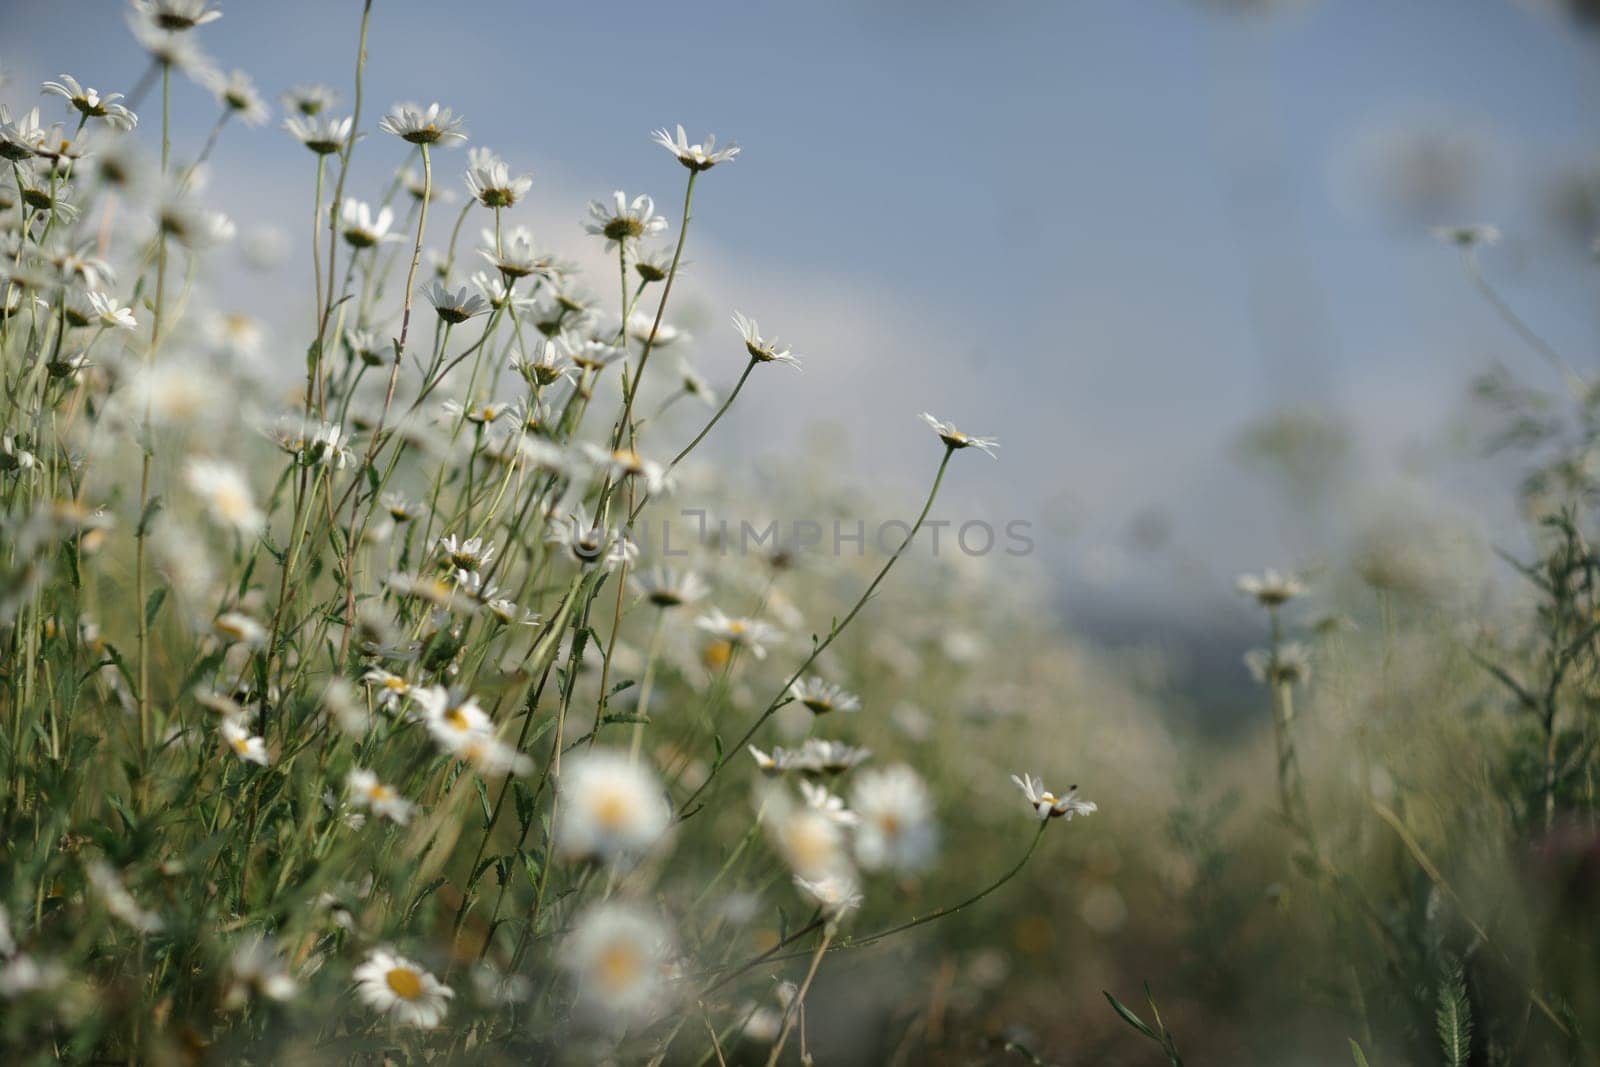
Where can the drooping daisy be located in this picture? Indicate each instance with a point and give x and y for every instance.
(696, 157)
(367, 792)
(1270, 588)
(90, 104)
(836, 893)
(820, 756)
(752, 635)
(762, 350)
(618, 957)
(1049, 806)
(490, 182)
(954, 439)
(612, 807)
(368, 347)
(822, 696)
(897, 831)
(423, 125)
(177, 15)
(361, 228)
(818, 798)
(309, 99)
(237, 93)
(393, 984)
(666, 587)
(226, 494)
(244, 745)
(624, 222)
(454, 307)
(323, 134)
(1290, 664)
(109, 313)
(654, 266)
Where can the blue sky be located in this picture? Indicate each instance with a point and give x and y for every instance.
(1111, 233)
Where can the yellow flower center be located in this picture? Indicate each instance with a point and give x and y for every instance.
(457, 720)
(611, 809)
(405, 982)
(241, 745)
(379, 792)
(619, 967)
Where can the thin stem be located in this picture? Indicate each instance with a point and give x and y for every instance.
(792, 1012)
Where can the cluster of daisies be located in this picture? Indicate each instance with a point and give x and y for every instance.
(393, 603)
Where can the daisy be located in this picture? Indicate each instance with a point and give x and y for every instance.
(177, 15)
(109, 313)
(469, 554)
(612, 807)
(492, 758)
(897, 831)
(622, 222)
(761, 349)
(368, 347)
(257, 969)
(812, 841)
(393, 984)
(817, 756)
(590, 545)
(500, 292)
(654, 266)
(399, 508)
(452, 719)
(751, 634)
(490, 182)
(551, 365)
(1049, 806)
(454, 307)
(118, 901)
(668, 588)
(190, 224)
(361, 228)
(837, 893)
(239, 628)
(1270, 588)
(819, 799)
(20, 138)
(1288, 665)
(517, 257)
(618, 958)
(174, 50)
(226, 494)
(955, 439)
(237, 93)
(367, 792)
(247, 747)
(309, 99)
(591, 354)
(419, 125)
(696, 157)
(823, 696)
(625, 463)
(643, 328)
(1467, 236)
(323, 134)
(90, 104)
(391, 687)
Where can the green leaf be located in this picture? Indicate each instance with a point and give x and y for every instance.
(1129, 1017)
(149, 513)
(152, 606)
(483, 799)
(1454, 1019)
(1360, 1057)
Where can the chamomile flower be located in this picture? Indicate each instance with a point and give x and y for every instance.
(490, 182)
(20, 137)
(363, 229)
(491, 757)
(226, 494)
(309, 99)
(762, 349)
(366, 791)
(423, 125)
(822, 757)
(452, 719)
(812, 840)
(696, 157)
(257, 969)
(897, 831)
(626, 463)
(456, 306)
(954, 439)
(1290, 664)
(752, 635)
(237, 93)
(548, 367)
(591, 354)
(821, 696)
(91, 105)
(109, 313)
(177, 15)
(170, 48)
(468, 553)
(1270, 588)
(243, 744)
(1047, 805)
(612, 807)
(1467, 237)
(818, 798)
(323, 134)
(189, 223)
(239, 628)
(590, 545)
(654, 266)
(624, 222)
(390, 687)
(394, 985)
(666, 587)
(836, 893)
(618, 957)
(399, 508)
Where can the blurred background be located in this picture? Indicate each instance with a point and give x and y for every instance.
(1176, 255)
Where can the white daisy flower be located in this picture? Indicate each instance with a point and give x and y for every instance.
(897, 831)
(226, 494)
(454, 307)
(246, 746)
(762, 350)
(812, 841)
(430, 125)
(390, 687)
(623, 221)
(236, 92)
(452, 719)
(837, 893)
(490, 182)
(625, 463)
(239, 628)
(257, 969)
(90, 104)
(822, 696)
(753, 635)
(612, 807)
(696, 157)
(492, 757)
(20, 138)
(618, 957)
(173, 49)
(367, 792)
(361, 228)
(177, 15)
(394, 985)
(818, 798)
(955, 439)
(468, 554)
(550, 366)
(109, 313)
(666, 587)
(1049, 806)
(588, 544)
(1270, 588)
(323, 134)
(1290, 665)
(309, 99)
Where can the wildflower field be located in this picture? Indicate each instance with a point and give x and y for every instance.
(425, 686)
